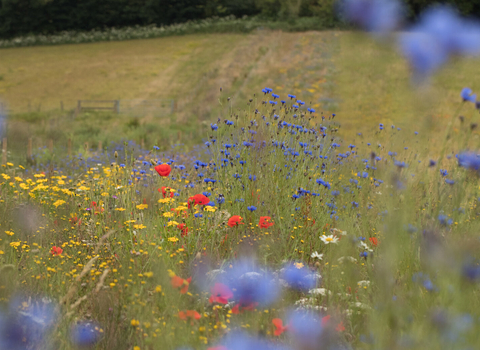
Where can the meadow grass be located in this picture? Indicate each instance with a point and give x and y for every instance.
(374, 242)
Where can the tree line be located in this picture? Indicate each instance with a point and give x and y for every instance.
(22, 17)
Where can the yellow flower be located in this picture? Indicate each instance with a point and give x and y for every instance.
(5, 176)
(39, 175)
(148, 274)
(168, 214)
(298, 265)
(142, 206)
(10, 233)
(158, 289)
(172, 223)
(139, 227)
(19, 179)
(173, 239)
(120, 209)
(136, 347)
(135, 323)
(1, 252)
(10, 164)
(210, 208)
(104, 194)
(14, 244)
(58, 203)
(163, 200)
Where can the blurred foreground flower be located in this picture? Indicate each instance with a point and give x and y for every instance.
(378, 16)
(439, 34)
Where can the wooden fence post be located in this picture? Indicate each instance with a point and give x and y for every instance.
(117, 106)
(50, 145)
(4, 150)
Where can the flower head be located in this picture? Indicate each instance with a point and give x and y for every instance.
(163, 169)
(235, 220)
(329, 239)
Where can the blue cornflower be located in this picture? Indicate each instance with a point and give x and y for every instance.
(449, 181)
(228, 122)
(292, 96)
(198, 215)
(364, 254)
(432, 163)
(444, 220)
(156, 148)
(214, 127)
(467, 95)
(252, 177)
(443, 172)
(469, 160)
(252, 208)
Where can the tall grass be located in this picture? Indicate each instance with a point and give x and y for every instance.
(371, 247)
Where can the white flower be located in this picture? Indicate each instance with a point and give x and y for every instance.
(317, 255)
(363, 283)
(340, 232)
(329, 239)
(365, 246)
(320, 291)
(349, 258)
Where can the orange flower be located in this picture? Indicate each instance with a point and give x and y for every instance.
(279, 327)
(373, 240)
(192, 314)
(235, 220)
(265, 222)
(56, 250)
(340, 327)
(178, 282)
(163, 169)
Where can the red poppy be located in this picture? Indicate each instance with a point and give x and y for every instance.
(265, 222)
(199, 199)
(164, 190)
(235, 221)
(373, 240)
(220, 294)
(192, 314)
(163, 169)
(239, 308)
(183, 228)
(56, 250)
(279, 327)
(178, 282)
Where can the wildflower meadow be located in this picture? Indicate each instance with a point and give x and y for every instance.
(274, 233)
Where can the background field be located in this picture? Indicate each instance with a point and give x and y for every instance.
(339, 72)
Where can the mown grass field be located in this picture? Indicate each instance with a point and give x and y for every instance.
(284, 228)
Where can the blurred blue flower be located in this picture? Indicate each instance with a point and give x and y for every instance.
(85, 334)
(467, 95)
(252, 208)
(439, 34)
(379, 16)
(469, 160)
(299, 277)
(306, 326)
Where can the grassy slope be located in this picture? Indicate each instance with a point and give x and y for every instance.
(369, 81)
